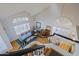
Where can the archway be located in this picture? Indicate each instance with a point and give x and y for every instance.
(65, 26)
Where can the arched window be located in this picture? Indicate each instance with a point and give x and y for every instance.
(64, 26)
(64, 22)
(21, 25)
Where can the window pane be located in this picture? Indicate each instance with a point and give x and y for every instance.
(22, 28)
(20, 19)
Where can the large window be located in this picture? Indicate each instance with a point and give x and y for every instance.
(24, 25)
(22, 28)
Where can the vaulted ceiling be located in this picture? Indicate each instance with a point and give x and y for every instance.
(69, 10)
(12, 8)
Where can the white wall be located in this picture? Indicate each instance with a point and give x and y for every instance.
(72, 11)
(4, 41)
(49, 15)
(55, 11)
